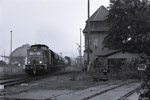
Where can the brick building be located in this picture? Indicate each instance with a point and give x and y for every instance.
(98, 31)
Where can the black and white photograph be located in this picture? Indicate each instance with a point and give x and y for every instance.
(74, 49)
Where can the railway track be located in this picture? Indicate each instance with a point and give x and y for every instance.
(4, 77)
(23, 78)
(1, 74)
(94, 93)
(124, 97)
(110, 91)
(112, 87)
(107, 90)
(12, 80)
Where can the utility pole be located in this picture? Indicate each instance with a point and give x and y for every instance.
(80, 47)
(88, 36)
(10, 45)
(4, 55)
(3, 64)
(11, 42)
(79, 50)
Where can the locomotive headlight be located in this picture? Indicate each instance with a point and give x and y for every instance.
(40, 62)
(28, 62)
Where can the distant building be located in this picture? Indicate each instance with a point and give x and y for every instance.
(19, 55)
(98, 31)
(79, 60)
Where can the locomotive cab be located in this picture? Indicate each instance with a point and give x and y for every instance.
(37, 60)
(40, 59)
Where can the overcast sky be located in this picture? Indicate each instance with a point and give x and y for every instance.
(55, 23)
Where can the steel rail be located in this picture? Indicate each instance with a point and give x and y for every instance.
(124, 97)
(15, 81)
(107, 90)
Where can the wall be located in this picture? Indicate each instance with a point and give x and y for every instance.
(127, 55)
(97, 48)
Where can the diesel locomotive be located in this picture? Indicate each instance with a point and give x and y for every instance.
(41, 59)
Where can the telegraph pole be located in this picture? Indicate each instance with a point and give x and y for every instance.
(80, 47)
(88, 36)
(10, 45)
(11, 42)
(4, 55)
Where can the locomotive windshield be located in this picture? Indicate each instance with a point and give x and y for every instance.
(34, 53)
(37, 57)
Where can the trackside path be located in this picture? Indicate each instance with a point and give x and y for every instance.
(106, 92)
(115, 94)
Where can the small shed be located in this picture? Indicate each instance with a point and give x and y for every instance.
(117, 58)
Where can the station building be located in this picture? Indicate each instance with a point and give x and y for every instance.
(98, 31)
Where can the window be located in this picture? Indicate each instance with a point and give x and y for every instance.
(30, 53)
(38, 53)
(44, 48)
(34, 53)
(90, 41)
(96, 42)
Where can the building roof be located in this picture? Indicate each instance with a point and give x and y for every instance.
(100, 14)
(97, 19)
(106, 53)
(39, 45)
(96, 28)
(20, 51)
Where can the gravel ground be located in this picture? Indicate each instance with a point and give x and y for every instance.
(65, 94)
(11, 70)
(115, 94)
(134, 96)
(1, 70)
(65, 83)
(73, 81)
